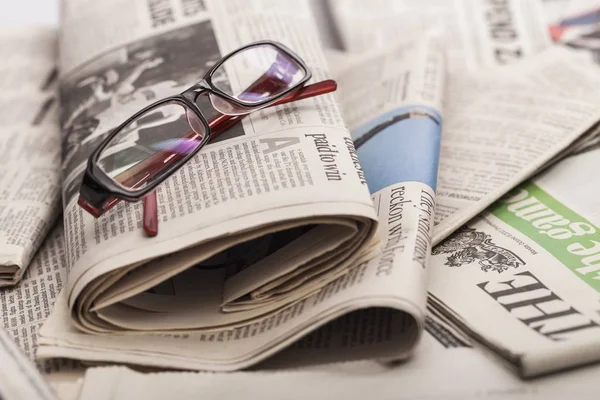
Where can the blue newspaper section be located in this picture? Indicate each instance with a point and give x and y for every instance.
(401, 145)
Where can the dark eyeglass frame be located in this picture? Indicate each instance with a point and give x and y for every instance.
(99, 192)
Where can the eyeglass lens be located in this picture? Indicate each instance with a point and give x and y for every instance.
(262, 73)
(150, 144)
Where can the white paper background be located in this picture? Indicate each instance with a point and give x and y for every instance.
(29, 12)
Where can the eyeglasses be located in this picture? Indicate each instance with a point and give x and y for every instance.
(156, 141)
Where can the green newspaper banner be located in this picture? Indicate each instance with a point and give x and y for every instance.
(570, 238)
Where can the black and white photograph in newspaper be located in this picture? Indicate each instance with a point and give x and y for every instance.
(103, 93)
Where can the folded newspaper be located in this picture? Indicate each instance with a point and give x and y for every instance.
(240, 271)
(30, 142)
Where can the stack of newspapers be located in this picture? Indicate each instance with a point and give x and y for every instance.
(429, 230)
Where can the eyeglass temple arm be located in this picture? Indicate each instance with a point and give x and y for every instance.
(223, 122)
(266, 83)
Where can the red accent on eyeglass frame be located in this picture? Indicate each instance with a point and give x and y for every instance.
(137, 175)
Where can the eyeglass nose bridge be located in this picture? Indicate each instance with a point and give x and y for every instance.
(203, 88)
(197, 89)
(222, 103)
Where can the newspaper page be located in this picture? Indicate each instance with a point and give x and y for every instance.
(442, 368)
(25, 307)
(19, 378)
(29, 58)
(477, 33)
(186, 312)
(30, 141)
(530, 263)
(500, 132)
(501, 126)
(482, 148)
